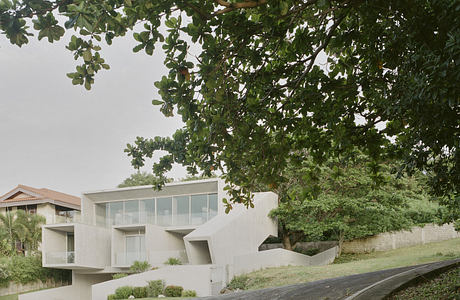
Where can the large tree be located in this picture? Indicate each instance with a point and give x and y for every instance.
(254, 94)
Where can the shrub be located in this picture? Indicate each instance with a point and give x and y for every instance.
(173, 291)
(239, 282)
(309, 252)
(155, 288)
(140, 292)
(111, 297)
(140, 266)
(188, 293)
(123, 292)
(119, 275)
(173, 261)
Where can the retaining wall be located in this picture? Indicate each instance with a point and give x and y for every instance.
(393, 240)
(16, 288)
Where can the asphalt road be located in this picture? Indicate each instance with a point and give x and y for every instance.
(327, 289)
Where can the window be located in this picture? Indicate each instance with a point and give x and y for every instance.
(135, 249)
(199, 209)
(147, 211)
(164, 207)
(116, 213)
(131, 215)
(181, 210)
(212, 206)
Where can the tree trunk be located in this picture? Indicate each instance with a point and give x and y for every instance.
(287, 242)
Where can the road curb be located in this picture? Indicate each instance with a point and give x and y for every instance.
(383, 288)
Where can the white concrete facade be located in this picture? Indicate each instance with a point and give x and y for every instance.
(184, 220)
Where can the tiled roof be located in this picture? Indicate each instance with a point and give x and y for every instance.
(40, 194)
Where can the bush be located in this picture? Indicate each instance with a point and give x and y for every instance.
(239, 282)
(123, 292)
(173, 291)
(140, 266)
(119, 275)
(155, 288)
(173, 261)
(111, 297)
(188, 293)
(140, 292)
(309, 252)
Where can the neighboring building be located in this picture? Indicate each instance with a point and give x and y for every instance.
(184, 220)
(56, 207)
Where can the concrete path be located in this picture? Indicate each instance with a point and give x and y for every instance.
(359, 286)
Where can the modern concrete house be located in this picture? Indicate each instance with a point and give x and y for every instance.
(56, 207)
(185, 220)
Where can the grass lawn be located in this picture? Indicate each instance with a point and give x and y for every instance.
(9, 297)
(356, 264)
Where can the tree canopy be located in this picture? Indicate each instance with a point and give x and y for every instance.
(255, 96)
(139, 178)
(340, 200)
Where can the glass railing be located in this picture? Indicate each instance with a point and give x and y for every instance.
(128, 258)
(75, 217)
(60, 258)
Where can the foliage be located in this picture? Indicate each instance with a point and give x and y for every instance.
(188, 293)
(256, 96)
(195, 177)
(123, 292)
(345, 199)
(155, 288)
(119, 275)
(173, 261)
(443, 286)
(309, 252)
(27, 269)
(239, 282)
(111, 297)
(140, 292)
(173, 291)
(20, 227)
(139, 266)
(138, 179)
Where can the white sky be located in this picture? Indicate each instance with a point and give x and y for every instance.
(60, 136)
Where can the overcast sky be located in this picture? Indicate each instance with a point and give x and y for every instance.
(60, 136)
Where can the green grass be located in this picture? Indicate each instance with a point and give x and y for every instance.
(444, 286)
(356, 264)
(9, 297)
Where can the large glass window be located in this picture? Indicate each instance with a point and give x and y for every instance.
(199, 209)
(212, 205)
(181, 210)
(135, 249)
(116, 213)
(131, 215)
(164, 207)
(101, 210)
(147, 211)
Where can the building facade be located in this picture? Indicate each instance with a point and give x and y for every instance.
(55, 206)
(185, 220)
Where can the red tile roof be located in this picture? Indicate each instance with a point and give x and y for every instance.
(41, 194)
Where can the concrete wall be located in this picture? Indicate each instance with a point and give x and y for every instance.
(92, 246)
(162, 245)
(190, 277)
(280, 257)
(393, 240)
(237, 233)
(79, 290)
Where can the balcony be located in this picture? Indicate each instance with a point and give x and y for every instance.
(68, 217)
(60, 258)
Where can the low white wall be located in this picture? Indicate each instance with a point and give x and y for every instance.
(393, 240)
(79, 290)
(190, 277)
(16, 288)
(60, 293)
(280, 257)
(269, 258)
